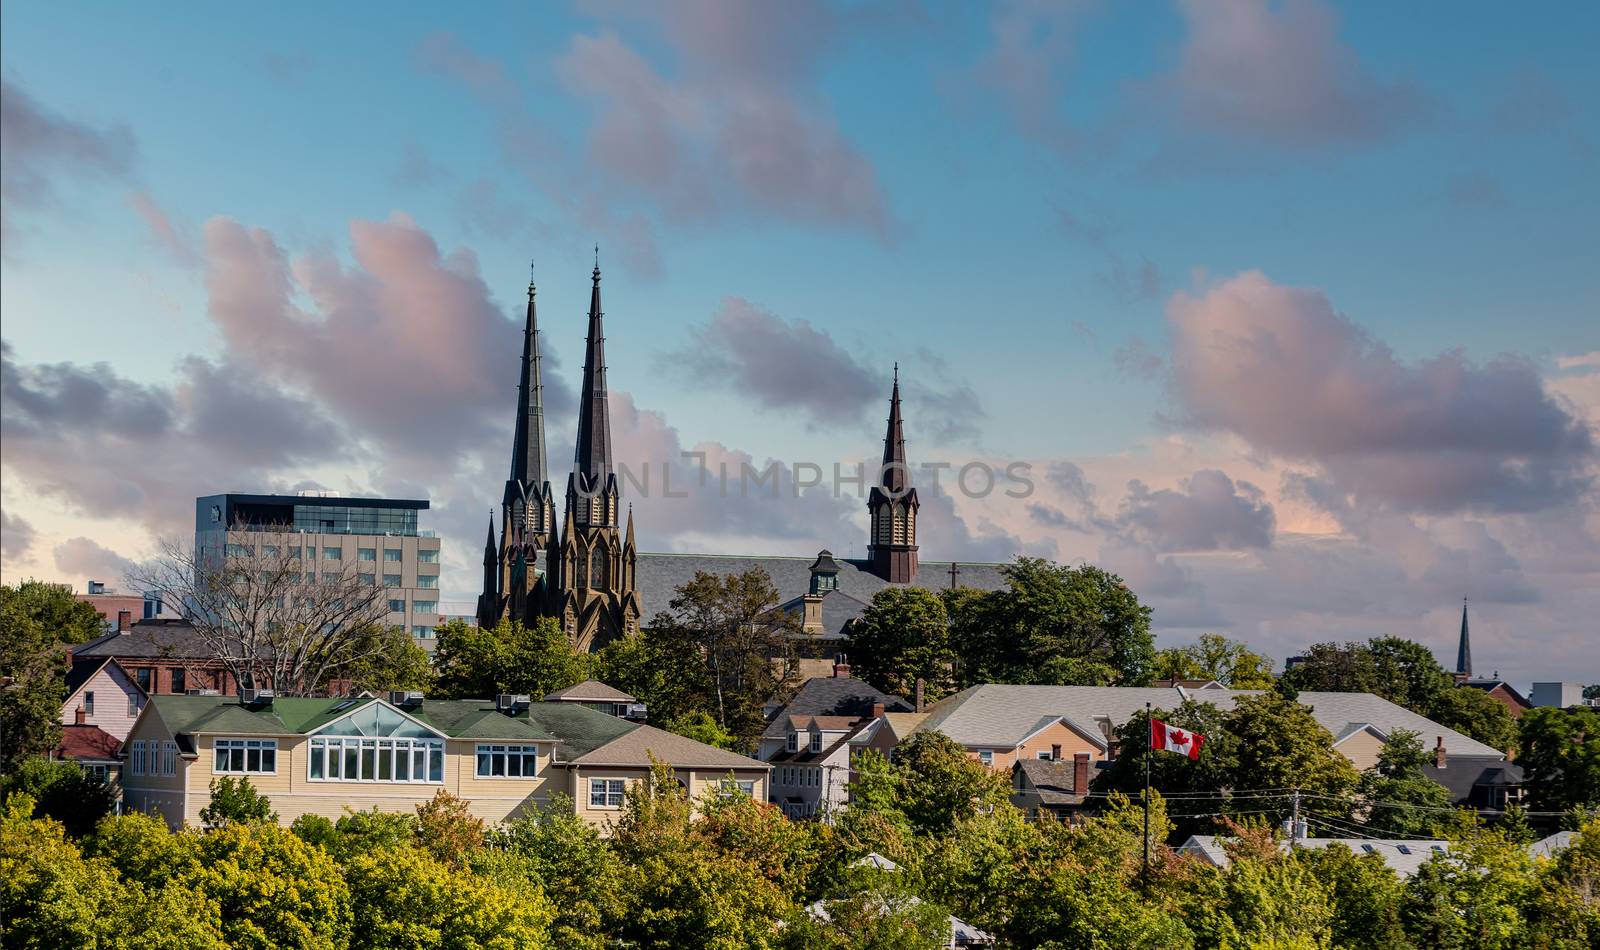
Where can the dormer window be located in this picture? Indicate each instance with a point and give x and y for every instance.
(824, 573)
(793, 744)
(816, 742)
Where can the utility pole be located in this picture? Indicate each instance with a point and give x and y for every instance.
(1294, 822)
(1148, 751)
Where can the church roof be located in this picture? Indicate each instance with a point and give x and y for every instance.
(660, 575)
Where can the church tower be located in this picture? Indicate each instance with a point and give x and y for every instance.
(892, 505)
(594, 562)
(1464, 649)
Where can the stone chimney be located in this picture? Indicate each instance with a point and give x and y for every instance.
(841, 668)
(922, 686)
(877, 710)
(1439, 753)
(1080, 773)
(124, 620)
(80, 717)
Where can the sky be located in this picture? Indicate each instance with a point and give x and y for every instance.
(1288, 313)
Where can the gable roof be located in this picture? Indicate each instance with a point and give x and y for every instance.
(592, 691)
(840, 696)
(635, 748)
(1054, 781)
(999, 715)
(149, 639)
(1489, 685)
(87, 743)
(1463, 774)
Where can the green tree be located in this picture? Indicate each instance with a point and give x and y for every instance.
(1056, 625)
(664, 669)
(745, 640)
(943, 784)
(1281, 746)
(701, 727)
(1171, 774)
(1366, 897)
(1400, 800)
(1408, 674)
(1474, 897)
(584, 879)
(397, 661)
(1559, 750)
(1475, 713)
(61, 790)
(901, 637)
(1331, 667)
(1564, 909)
(236, 800)
(142, 849)
(478, 663)
(49, 895)
(448, 829)
(31, 659)
(274, 890)
(64, 617)
(405, 897)
(881, 915)
(1215, 657)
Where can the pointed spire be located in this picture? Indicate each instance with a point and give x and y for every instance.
(630, 525)
(489, 554)
(1464, 651)
(896, 477)
(593, 455)
(528, 466)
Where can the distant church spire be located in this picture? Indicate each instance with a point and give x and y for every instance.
(892, 504)
(593, 455)
(1464, 651)
(527, 448)
(895, 474)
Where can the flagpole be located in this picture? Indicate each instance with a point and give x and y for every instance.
(1149, 731)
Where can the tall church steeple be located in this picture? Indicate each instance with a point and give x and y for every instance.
(527, 448)
(1464, 649)
(892, 504)
(593, 455)
(528, 508)
(489, 600)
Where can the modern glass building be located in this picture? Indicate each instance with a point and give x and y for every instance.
(375, 539)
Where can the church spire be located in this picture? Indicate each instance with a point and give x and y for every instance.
(593, 456)
(527, 449)
(895, 477)
(1464, 651)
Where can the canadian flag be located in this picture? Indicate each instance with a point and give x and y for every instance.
(1173, 739)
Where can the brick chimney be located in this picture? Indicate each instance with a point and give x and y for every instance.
(124, 620)
(841, 668)
(1439, 753)
(1080, 773)
(877, 710)
(80, 717)
(922, 686)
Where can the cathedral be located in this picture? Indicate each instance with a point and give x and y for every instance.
(586, 571)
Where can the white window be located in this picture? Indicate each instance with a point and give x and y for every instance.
(134, 704)
(605, 793)
(729, 787)
(792, 744)
(422, 632)
(508, 761)
(424, 606)
(366, 554)
(88, 703)
(986, 756)
(245, 757)
(332, 554)
(1043, 755)
(816, 742)
(136, 758)
(169, 758)
(357, 759)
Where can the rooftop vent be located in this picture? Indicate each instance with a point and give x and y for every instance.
(405, 699)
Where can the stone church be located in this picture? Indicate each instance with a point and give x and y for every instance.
(586, 570)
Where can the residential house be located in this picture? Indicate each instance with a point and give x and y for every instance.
(1002, 724)
(1052, 786)
(164, 657)
(1486, 783)
(1403, 857)
(322, 756)
(809, 740)
(1504, 692)
(98, 752)
(100, 693)
(601, 698)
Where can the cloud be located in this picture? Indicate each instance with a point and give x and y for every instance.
(162, 229)
(81, 557)
(1031, 42)
(16, 536)
(442, 52)
(1280, 368)
(1209, 512)
(40, 151)
(1136, 360)
(1276, 74)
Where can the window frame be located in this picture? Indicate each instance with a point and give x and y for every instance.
(88, 703)
(611, 789)
(244, 746)
(423, 760)
(486, 755)
(136, 757)
(986, 756)
(816, 741)
(792, 744)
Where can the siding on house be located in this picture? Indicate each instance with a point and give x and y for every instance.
(113, 688)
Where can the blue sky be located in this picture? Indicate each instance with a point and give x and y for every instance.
(1011, 200)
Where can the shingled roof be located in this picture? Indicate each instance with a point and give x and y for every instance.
(84, 743)
(590, 691)
(641, 743)
(153, 639)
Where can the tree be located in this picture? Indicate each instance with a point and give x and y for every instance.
(583, 878)
(1472, 897)
(1475, 713)
(1400, 800)
(271, 618)
(535, 660)
(1559, 750)
(64, 617)
(405, 897)
(1209, 775)
(273, 889)
(734, 623)
(1055, 625)
(1281, 746)
(30, 705)
(61, 790)
(1408, 674)
(1366, 897)
(399, 662)
(448, 829)
(236, 800)
(902, 637)
(941, 783)
(1330, 667)
(700, 727)
(663, 669)
(1215, 657)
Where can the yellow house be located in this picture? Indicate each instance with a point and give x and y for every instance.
(324, 756)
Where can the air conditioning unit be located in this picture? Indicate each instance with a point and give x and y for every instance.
(202, 692)
(406, 699)
(511, 703)
(637, 712)
(256, 697)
